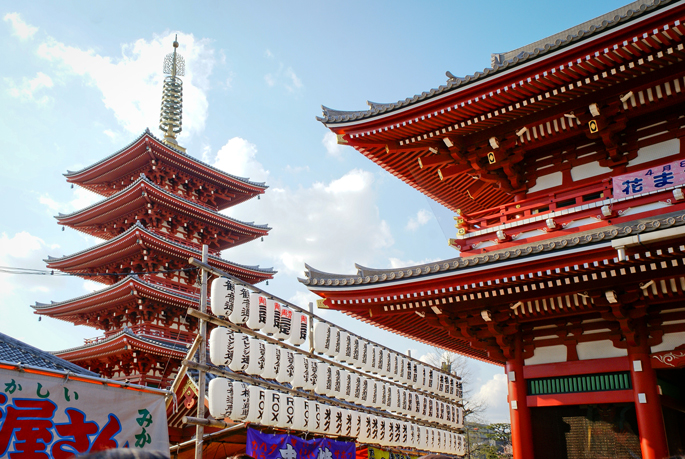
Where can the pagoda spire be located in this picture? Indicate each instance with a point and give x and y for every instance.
(170, 118)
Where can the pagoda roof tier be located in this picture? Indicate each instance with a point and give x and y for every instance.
(144, 200)
(139, 249)
(465, 144)
(151, 156)
(127, 290)
(470, 305)
(127, 355)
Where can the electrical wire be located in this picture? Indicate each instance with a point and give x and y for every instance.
(52, 272)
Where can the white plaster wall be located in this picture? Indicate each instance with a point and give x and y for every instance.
(599, 350)
(656, 151)
(547, 181)
(547, 354)
(671, 341)
(588, 170)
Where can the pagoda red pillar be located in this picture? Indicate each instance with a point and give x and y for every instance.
(519, 412)
(650, 420)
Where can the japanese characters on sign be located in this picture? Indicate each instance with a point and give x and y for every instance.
(266, 446)
(647, 180)
(45, 417)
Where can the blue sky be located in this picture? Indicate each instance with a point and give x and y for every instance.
(79, 81)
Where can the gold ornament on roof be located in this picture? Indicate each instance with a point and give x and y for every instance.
(170, 118)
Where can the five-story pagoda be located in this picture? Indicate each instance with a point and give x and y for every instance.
(160, 206)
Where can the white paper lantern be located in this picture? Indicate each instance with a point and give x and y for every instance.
(409, 405)
(376, 390)
(346, 386)
(394, 366)
(383, 436)
(316, 417)
(411, 433)
(321, 336)
(322, 383)
(241, 352)
(418, 405)
(300, 329)
(272, 407)
(256, 356)
(460, 417)
(364, 428)
(301, 372)
(388, 364)
(257, 316)
(372, 357)
(222, 294)
(401, 369)
(285, 324)
(356, 423)
(272, 358)
(313, 375)
(357, 344)
(356, 381)
(220, 398)
(389, 396)
(408, 371)
(365, 358)
(326, 419)
(287, 416)
(240, 310)
(366, 392)
(221, 346)
(431, 383)
(336, 427)
(301, 413)
(333, 342)
(415, 375)
(345, 354)
(337, 382)
(347, 423)
(273, 317)
(286, 367)
(380, 361)
(256, 402)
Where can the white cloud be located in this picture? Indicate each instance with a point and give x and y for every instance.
(238, 157)
(82, 198)
(19, 27)
(494, 391)
(109, 133)
(328, 225)
(396, 263)
(285, 77)
(268, 53)
(423, 216)
(27, 89)
(131, 84)
(23, 250)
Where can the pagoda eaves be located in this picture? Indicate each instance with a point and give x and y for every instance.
(139, 249)
(165, 164)
(165, 211)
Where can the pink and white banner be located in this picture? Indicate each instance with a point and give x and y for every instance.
(644, 181)
(53, 417)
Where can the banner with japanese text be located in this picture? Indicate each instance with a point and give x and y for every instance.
(268, 446)
(376, 453)
(53, 417)
(646, 180)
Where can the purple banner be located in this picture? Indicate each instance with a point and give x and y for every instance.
(266, 446)
(644, 181)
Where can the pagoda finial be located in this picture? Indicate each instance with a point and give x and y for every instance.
(172, 96)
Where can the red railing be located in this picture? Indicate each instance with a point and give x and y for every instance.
(527, 208)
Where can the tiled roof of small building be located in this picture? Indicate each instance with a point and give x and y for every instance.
(505, 61)
(15, 351)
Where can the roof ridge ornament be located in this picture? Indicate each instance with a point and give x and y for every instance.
(170, 117)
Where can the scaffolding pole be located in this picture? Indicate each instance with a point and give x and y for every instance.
(199, 428)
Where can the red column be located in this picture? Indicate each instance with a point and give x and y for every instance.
(650, 420)
(519, 412)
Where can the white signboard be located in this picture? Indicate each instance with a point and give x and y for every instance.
(55, 417)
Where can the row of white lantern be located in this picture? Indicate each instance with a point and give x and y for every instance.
(239, 401)
(335, 343)
(251, 355)
(241, 306)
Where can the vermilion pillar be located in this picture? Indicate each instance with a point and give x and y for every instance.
(519, 412)
(650, 420)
